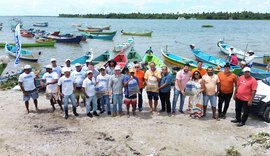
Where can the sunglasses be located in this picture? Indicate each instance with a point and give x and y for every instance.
(137, 67)
(196, 74)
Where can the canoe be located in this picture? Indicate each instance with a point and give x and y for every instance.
(137, 33)
(255, 72)
(37, 44)
(121, 59)
(150, 57)
(25, 54)
(90, 30)
(66, 38)
(99, 33)
(226, 49)
(99, 36)
(88, 56)
(123, 46)
(97, 27)
(44, 24)
(133, 56)
(207, 26)
(102, 59)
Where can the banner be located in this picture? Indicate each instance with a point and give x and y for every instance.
(17, 44)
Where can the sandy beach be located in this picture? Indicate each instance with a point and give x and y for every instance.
(47, 133)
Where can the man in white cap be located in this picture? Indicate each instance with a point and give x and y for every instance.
(49, 80)
(116, 87)
(79, 75)
(103, 80)
(68, 86)
(28, 87)
(68, 65)
(89, 84)
(55, 68)
(85, 67)
(249, 58)
(243, 96)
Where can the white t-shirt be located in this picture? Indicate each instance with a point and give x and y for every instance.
(50, 77)
(78, 77)
(85, 68)
(72, 68)
(104, 81)
(67, 85)
(249, 59)
(57, 70)
(89, 86)
(28, 81)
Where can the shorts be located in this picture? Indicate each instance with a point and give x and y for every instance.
(212, 98)
(152, 95)
(50, 96)
(31, 94)
(79, 93)
(128, 101)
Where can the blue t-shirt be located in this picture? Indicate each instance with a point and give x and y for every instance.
(126, 78)
(166, 79)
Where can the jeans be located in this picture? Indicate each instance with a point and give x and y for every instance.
(65, 100)
(165, 101)
(175, 99)
(117, 101)
(212, 98)
(221, 98)
(140, 99)
(239, 104)
(93, 100)
(105, 100)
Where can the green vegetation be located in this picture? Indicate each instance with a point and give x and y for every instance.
(232, 151)
(11, 82)
(261, 138)
(244, 15)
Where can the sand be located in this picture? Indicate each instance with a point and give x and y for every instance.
(47, 133)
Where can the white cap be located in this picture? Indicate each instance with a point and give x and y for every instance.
(77, 64)
(49, 66)
(88, 60)
(89, 71)
(27, 67)
(243, 62)
(250, 51)
(117, 68)
(246, 69)
(102, 67)
(67, 60)
(66, 69)
(53, 59)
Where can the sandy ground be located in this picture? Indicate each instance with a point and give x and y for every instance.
(48, 133)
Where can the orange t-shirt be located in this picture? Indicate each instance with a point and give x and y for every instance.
(227, 82)
(140, 76)
(202, 71)
(245, 86)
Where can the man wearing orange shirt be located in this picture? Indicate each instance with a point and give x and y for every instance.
(199, 68)
(140, 75)
(228, 81)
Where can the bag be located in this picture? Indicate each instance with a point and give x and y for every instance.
(190, 89)
(99, 91)
(133, 88)
(152, 84)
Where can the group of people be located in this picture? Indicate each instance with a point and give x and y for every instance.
(96, 86)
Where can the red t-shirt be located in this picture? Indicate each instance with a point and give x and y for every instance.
(234, 60)
(245, 87)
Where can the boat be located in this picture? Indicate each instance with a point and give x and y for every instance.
(226, 49)
(44, 24)
(121, 59)
(207, 26)
(137, 33)
(88, 56)
(97, 27)
(99, 36)
(37, 44)
(255, 72)
(123, 46)
(99, 33)
(66, 38)
(133, 56)
(102, 59)
(25, 54)
(25, 33)
(150, 57)
(90, 30)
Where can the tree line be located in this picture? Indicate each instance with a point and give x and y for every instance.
(244, 15)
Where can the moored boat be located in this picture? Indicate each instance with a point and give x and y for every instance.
(121, 59)
(124, 46)
(99, 36)
(102, 59)
(90, 30)
(66, 38)
(133, 56)
(88, 56)
(98, 27)
(43, 24)
(149, 34)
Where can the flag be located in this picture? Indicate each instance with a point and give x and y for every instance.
(17, 44)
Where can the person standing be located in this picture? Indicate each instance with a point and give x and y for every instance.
(88, 88)
(199, 68)
(49, 80)
(152, 78)
(116, 88)
(55, 68)
(249, 58)
(140, 75)
(78, 75)
(211, 86)
(228, 81)
(182, 77)
(28, 86)
(243, 96)
(111, 65)
(68, 65)
(68, 86)
(165, 90)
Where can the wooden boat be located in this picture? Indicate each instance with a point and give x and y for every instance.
(37, 44)
(102, 37)
(90, 30)
(88, 56)
(66, 38)
(207, 26)
(150, 57)
(25, 33)
(137, 33)
(226, 49)
(133, 56)
(44, 24)
(96, 27)
(123, 46)
(25, 54)
(99, 33)
(102, 59)
(121, 59)
(255, 72)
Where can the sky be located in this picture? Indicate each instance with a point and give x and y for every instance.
(55, 7)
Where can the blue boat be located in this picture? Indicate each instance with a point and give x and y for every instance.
(102, 37)
(255, 72)
(66, 38)
(44, 24)
(88, 56)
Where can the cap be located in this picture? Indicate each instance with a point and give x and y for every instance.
(27, 67)
(66, 69)
(53, 59)
(131, 70)
(102, 67)
(49, 66)
(88, 60)
(246, 69)
(77, 64)
(67, 60)
(243, 62)
(117, 68)
(89, 71)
